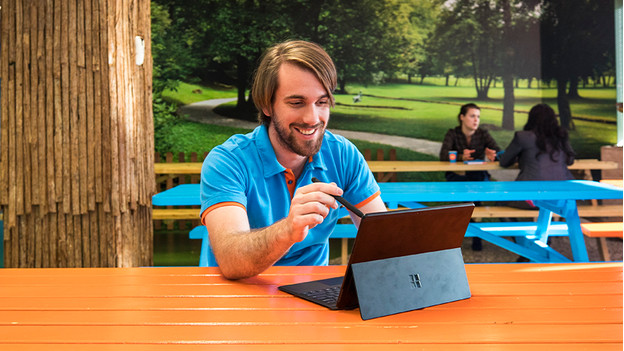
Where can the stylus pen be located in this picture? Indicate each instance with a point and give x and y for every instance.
(346, 203)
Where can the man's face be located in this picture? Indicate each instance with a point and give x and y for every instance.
(300, 112)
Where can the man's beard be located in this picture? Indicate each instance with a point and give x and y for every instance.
(292, 143)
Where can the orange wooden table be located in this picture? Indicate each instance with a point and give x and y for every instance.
(573, 306)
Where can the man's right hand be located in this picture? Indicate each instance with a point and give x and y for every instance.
(309, 207)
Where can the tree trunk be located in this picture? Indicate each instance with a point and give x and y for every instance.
(242, 73)
(77, 166)
(482, 94)
(565, 114)
(573, 89)
(508, 102)
(508, 84)
(342, 86)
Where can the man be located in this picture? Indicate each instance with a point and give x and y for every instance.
(258, 201)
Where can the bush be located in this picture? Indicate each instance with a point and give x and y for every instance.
(165, 119)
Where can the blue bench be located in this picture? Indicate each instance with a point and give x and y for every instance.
(496, 233)
(525, 236)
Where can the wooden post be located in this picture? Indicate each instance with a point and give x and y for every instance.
(76, 133)
(381, 176)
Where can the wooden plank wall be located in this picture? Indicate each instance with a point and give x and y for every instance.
(76, 133)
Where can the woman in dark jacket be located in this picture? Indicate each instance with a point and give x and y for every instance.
(471, 143)
(542, 149)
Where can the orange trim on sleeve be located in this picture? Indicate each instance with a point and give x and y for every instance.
(371, 198)
(220, 204)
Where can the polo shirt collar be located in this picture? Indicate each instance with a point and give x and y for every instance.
(269, 160)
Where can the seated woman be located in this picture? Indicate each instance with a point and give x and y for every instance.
(542, 149)
(471, 143)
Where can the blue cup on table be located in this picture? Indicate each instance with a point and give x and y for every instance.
(452, 156)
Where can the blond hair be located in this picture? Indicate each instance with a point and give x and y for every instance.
(307, 55)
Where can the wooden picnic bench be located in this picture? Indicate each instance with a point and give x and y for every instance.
(585, 165)
(390, 167)
(557, 197)
(603, 230)
(346, 231)
(479, 212)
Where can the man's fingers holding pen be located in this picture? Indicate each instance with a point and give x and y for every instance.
(321, 192)
(305, 215)
(310, 205)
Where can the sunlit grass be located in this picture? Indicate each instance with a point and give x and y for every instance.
(189, 93)
(427, 111)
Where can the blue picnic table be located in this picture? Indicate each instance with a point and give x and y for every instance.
(531, 238)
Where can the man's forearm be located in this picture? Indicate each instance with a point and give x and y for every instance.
(246, 254)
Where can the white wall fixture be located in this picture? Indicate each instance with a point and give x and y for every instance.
(139, 45)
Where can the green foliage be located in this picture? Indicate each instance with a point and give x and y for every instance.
(172, 62)
(164, 120)
(173, 59)
(468, 38)
(222, 40)
(187, 137)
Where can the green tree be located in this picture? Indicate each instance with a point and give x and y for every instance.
(365, 37)
(422, 18)
(468, 37)
(507, 69)
(577, 40)
(172, 58)
(171, 64)
(514, 15)
(226, 38)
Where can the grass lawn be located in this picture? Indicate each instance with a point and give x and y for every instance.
(427, 111)
(188, 93)
(437, 108)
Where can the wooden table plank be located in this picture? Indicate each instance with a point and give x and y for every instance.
(401, 166)
(477, 288)
(269, 303)
(200, 280)
(514, 307)
(305, 334)
(434, 315)
(326, 347)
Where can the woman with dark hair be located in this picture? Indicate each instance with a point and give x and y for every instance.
(542, 148)
(471, 143)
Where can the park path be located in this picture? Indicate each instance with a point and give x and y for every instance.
(202, 112)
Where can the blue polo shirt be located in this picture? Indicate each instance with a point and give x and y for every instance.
(245, 170)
